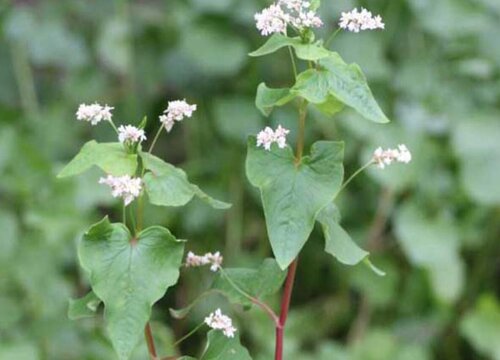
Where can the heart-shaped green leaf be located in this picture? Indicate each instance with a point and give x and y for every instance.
(267, 98)
(129, 275)
(220, 347)
(167, 185)
(294, 194)
(110, 157)
(303, 51)
(344, 82)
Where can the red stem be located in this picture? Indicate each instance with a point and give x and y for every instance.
(285, 305)
(150, 341)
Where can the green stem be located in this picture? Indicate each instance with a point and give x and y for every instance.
(294, 65)
(132, 220)
(113, 126)
(124, 214)
(332, 36)
(361, 169)
(302, 126)
(254, 300)
(155, 138)
(198, 327)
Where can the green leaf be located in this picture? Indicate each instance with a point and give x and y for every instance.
(294, 194)
(129, 275)
(268, 98)
(110, 157)
(331, 106)
(344, 82)
(481, 327)
(83, 307)
(220, 347)
(167, 185)
(258, 283)
(337, 241)
(303, 51)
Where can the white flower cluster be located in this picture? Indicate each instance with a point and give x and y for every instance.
(94, 113)
(383, 158)
(130, 134)
(177, 110)
(364, 20)
(278, 16)
(218, 321)
(267, 137)
(125, 187)
(214, 260)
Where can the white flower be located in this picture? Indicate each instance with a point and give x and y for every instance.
(125, 187)
(177, 110)
(356, 21)
(94, 113)
(383, 158)
(130, 134)
(219, 321)
(282, 13)
(214, 260)
(271, 20)
(267, 137)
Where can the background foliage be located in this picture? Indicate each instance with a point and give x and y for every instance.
(433, 226)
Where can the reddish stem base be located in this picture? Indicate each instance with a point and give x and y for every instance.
(285, 305)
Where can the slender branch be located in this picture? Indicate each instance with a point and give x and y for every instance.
(330, 39)
(294, 65)
(156, 138)
(198, 327)
(285, 305)
(124, 214)
(150, 341)
(254, 300)
(113, 126)
(300, 137)
(356, 173)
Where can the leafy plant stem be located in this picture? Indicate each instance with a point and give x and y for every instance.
(332, 36)
(302, 125)
(285, 305)
(356, 173)
(150, 341)
(124, 215)
(132, 220)
(254, 300)
(155, 139)
(198, 327)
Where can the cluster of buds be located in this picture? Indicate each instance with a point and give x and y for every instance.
(214, 260)
(363, 20)
(177, 110)
(383, 158)
(130, 135)
(126, 187)
(94, 113)
(268, 136)
(219, 321)
(277, 17)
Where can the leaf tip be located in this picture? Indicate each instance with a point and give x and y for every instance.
(375, 269)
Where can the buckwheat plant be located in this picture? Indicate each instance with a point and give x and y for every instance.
(131, 268)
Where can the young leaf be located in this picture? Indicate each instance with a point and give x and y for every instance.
(84, 307)
(338, 242)
(268, 98)
(293, 194)
(220, 347)
(259, 283)
(110, 157)
(129, 275)
(303, 51)
(331, 106)
(167, 185)
(346, 83)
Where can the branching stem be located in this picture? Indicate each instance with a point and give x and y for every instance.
(356, 173)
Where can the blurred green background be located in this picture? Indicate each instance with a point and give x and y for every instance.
(433, 225)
